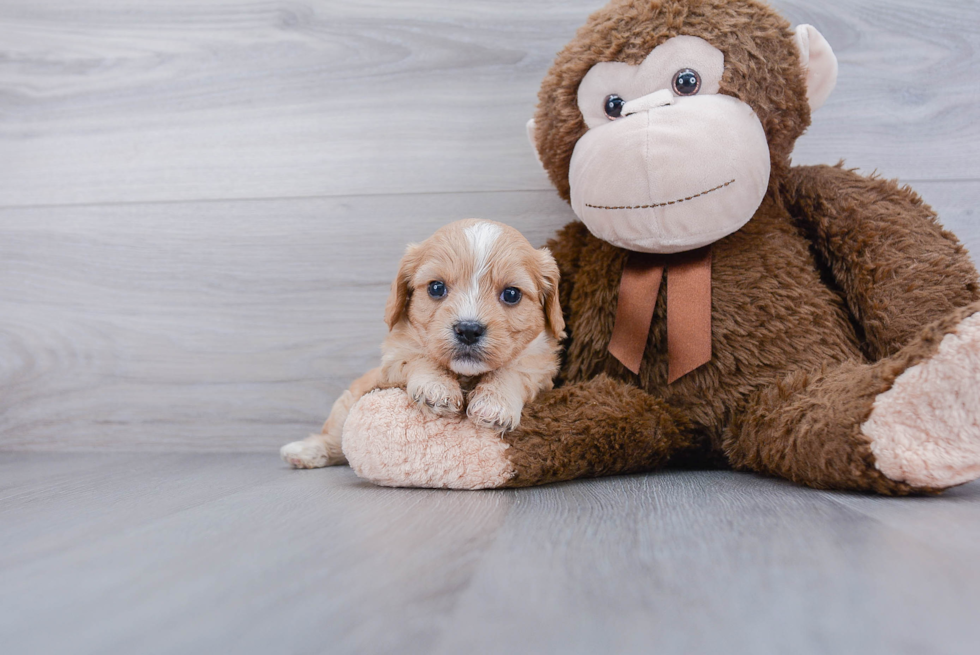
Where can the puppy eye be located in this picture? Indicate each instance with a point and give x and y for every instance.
(687, 82)
(614, 106)
(437, 289)
(510, 296)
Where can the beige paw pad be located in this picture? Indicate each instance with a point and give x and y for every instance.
(390, 442)
(925, 430)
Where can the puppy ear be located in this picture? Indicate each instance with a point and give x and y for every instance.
(401, 286)
(554, 320)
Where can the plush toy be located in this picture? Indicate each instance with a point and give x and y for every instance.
(722, 306)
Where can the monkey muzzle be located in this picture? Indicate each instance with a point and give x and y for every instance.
(673, 174)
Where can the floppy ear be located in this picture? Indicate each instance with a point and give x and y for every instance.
(554, 320)
(401, 286)
(819, 63)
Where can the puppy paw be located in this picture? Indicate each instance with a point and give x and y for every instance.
(491, 410)
(441, 397)
(310, 454)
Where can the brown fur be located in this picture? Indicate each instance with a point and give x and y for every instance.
(761, 69)
(599, 427)
(836, 286)
(788, 386)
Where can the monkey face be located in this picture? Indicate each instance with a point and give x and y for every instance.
(663, 122)
(667, 163)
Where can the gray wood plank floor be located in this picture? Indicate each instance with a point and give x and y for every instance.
(201, 207)
(192, 553)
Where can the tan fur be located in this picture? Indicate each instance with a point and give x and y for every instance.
(520, 355)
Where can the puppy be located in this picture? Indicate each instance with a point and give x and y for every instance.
(474, 324)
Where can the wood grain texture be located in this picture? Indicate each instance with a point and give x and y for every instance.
(201, 208)
(118, 553)
(206, 326)
(224, 325)
(202, 205)
(106, 101)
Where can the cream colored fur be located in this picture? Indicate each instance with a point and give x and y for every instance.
(416, 355)
(499, 397)
(925, 430)
(421, 451)
(324, 449)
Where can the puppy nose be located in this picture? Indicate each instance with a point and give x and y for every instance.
(469, 332)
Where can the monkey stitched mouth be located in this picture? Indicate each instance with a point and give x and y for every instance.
(664, 204)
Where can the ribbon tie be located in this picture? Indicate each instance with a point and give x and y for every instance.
(688, 309)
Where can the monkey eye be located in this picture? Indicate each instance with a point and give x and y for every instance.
(614, 106)
(437, 289)
(511, 295)
(687, 82)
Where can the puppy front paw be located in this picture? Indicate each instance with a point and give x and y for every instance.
(494, 411)
(441, 397)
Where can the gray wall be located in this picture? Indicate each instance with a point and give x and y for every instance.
(202, 203)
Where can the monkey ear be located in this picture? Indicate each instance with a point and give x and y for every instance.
(531, 126)
(819, 64)
(554, 319)
(401, 286)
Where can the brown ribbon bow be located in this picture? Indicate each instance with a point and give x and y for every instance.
(688, 309)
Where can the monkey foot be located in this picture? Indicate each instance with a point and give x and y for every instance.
(925, 430)
(389, 441)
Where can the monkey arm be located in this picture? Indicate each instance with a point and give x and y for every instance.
(894, 264)
(597, 427)
(588, 429)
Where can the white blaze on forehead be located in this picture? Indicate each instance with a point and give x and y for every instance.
(481, 238)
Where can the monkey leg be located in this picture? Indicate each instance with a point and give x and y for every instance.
(593, 428)
(905, 424)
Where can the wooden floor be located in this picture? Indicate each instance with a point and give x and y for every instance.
(201, 208)
(234, 553)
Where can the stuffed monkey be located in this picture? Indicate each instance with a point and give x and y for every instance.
(723, 307)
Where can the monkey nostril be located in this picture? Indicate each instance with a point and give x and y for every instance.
(469, 332)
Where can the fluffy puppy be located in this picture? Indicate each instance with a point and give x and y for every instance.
(474, 323)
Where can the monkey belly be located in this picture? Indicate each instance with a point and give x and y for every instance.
(771, 314)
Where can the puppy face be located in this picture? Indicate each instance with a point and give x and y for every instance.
(476, 293)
